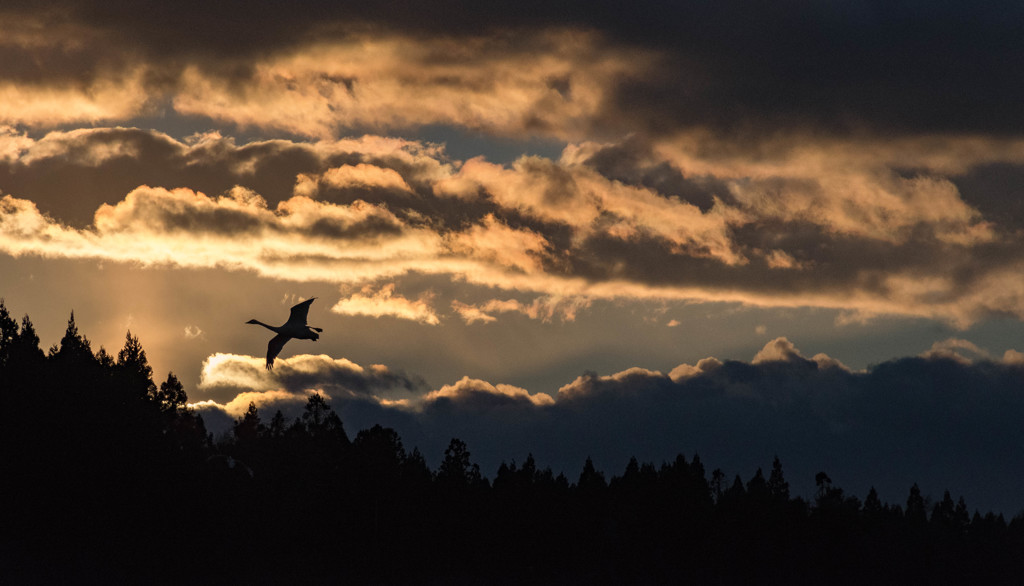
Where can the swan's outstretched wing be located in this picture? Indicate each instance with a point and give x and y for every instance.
(300, 311)
(274, 348)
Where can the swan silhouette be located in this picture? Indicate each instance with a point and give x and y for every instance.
(295, 327)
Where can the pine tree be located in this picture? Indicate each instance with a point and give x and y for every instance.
(778, 488)
(591, 479)
(456, 468)
(26, 345)
(171, 397)
(757, 487)
(73, 346)
(916, 511)
(248, 427)
(8, 332)
(872, 504)
(134, 369)
(320, 420)
(277, 426)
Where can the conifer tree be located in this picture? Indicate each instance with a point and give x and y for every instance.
(916, 511)
(320, 420)
(73, 346)
(277, 426)
(134, 368)
(8, 332)
(25, 347)
(778, 488)
(247, 428)
(171, 397)
(456, 468)
(590, 478)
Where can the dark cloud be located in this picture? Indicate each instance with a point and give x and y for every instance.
(941, 422)
(633, 163)
(997, 191)
(231, 381)
(364, 381)
(891, 67)
(74, 174)
(69, 175)
(422, 207)
(735, 66)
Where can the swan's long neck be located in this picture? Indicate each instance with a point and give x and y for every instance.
(274, 329)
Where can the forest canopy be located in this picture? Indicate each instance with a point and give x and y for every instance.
(109, 474)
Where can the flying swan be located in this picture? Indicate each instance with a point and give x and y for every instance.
(295, 327)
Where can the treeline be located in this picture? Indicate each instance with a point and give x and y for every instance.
(107, 476)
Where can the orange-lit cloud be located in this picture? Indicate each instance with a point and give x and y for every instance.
(552, 236)
(577, 196)
(544, 308)
(384, 302)
(553, 81)
(703, 366)
(116, 97)
(468, 389)
(226, 375)
(359, 175)
(265, 400)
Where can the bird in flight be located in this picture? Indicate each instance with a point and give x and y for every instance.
(295, 327)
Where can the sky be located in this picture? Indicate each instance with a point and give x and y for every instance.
(569, 229)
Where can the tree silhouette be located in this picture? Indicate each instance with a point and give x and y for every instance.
(73, 346)
(248, 427)
(321, 421)
(778, 488)
(456, 469)
(25, 352)
(591, 480)
(916, 511)
(277, 426)
(133, 368)
(8, 333)
(171, 397)
(105, 475)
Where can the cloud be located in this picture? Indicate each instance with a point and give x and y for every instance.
(264, 400)
(778, 350)
(301, 239)
(471, 314)
(359, 175)
(683, 371)
(544, 308)
(940, 422)
(384, 302)
(468, 391)
(100, 165)
(224, 374)
(555, 230)
(956, 349)
(520, 249)
(1013, 357)
(391, 80)
(651, 66)
(560, 233)
(575, 196)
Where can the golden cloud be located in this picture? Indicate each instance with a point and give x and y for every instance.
(554, 81)
(544, 308)
(468, 389)
(384, 302)
(579, 197)
(359, 175)
(535, 230)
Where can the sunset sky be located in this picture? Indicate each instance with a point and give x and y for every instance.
(571, 229)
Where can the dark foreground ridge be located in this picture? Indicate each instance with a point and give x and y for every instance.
(106, 477)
